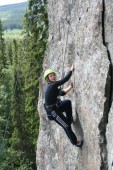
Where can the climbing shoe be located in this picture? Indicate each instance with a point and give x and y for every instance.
(79, 143)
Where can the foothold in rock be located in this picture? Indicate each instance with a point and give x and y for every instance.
(77, 53)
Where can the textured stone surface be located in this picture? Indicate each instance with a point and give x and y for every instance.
(109, 45)
(80, 33)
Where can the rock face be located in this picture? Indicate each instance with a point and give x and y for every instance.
(80, 33)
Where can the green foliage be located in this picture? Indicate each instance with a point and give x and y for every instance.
(13, 159)
(6, 91)
(2, 49)
(20, 88)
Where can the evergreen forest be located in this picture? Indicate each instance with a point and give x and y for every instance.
(21, 57)
(12, 15)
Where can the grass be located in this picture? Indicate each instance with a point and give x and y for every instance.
(13, 34)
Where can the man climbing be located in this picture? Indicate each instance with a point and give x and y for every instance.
(55, 107)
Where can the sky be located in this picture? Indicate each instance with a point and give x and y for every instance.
(7, 2)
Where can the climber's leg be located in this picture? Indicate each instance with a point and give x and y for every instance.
(63, 121)
(67, 108)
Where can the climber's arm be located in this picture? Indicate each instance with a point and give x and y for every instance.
(66, 90)
(66, 78)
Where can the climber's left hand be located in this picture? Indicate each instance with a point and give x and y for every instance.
(71, 84)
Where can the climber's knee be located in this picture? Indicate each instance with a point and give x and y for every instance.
(67, 102)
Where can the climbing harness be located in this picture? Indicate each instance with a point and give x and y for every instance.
(54, 106)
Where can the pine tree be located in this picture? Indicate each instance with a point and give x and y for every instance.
(22, 72)
(18, 104)
(36, 24)
(10, 53)
(5, 79)
(21, 139)
(5, 94)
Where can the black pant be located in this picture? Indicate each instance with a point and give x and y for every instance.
(64, 121)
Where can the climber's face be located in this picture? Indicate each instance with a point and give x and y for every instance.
(52, 77)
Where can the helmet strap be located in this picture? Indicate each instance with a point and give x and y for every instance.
(47, 79)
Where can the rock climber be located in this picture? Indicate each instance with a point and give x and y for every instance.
(55, 107)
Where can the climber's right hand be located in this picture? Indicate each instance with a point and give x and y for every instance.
(72, 68)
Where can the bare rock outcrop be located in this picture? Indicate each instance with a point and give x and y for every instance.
(80, 33)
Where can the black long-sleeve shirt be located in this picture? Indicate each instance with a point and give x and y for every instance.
(52, 91)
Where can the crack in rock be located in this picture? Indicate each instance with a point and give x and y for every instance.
(107, 105)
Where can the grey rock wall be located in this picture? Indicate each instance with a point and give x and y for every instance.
(109, 45)
(80, 33)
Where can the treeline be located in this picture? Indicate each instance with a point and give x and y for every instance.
(20, 68)
(12, 24)
(12, 15)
